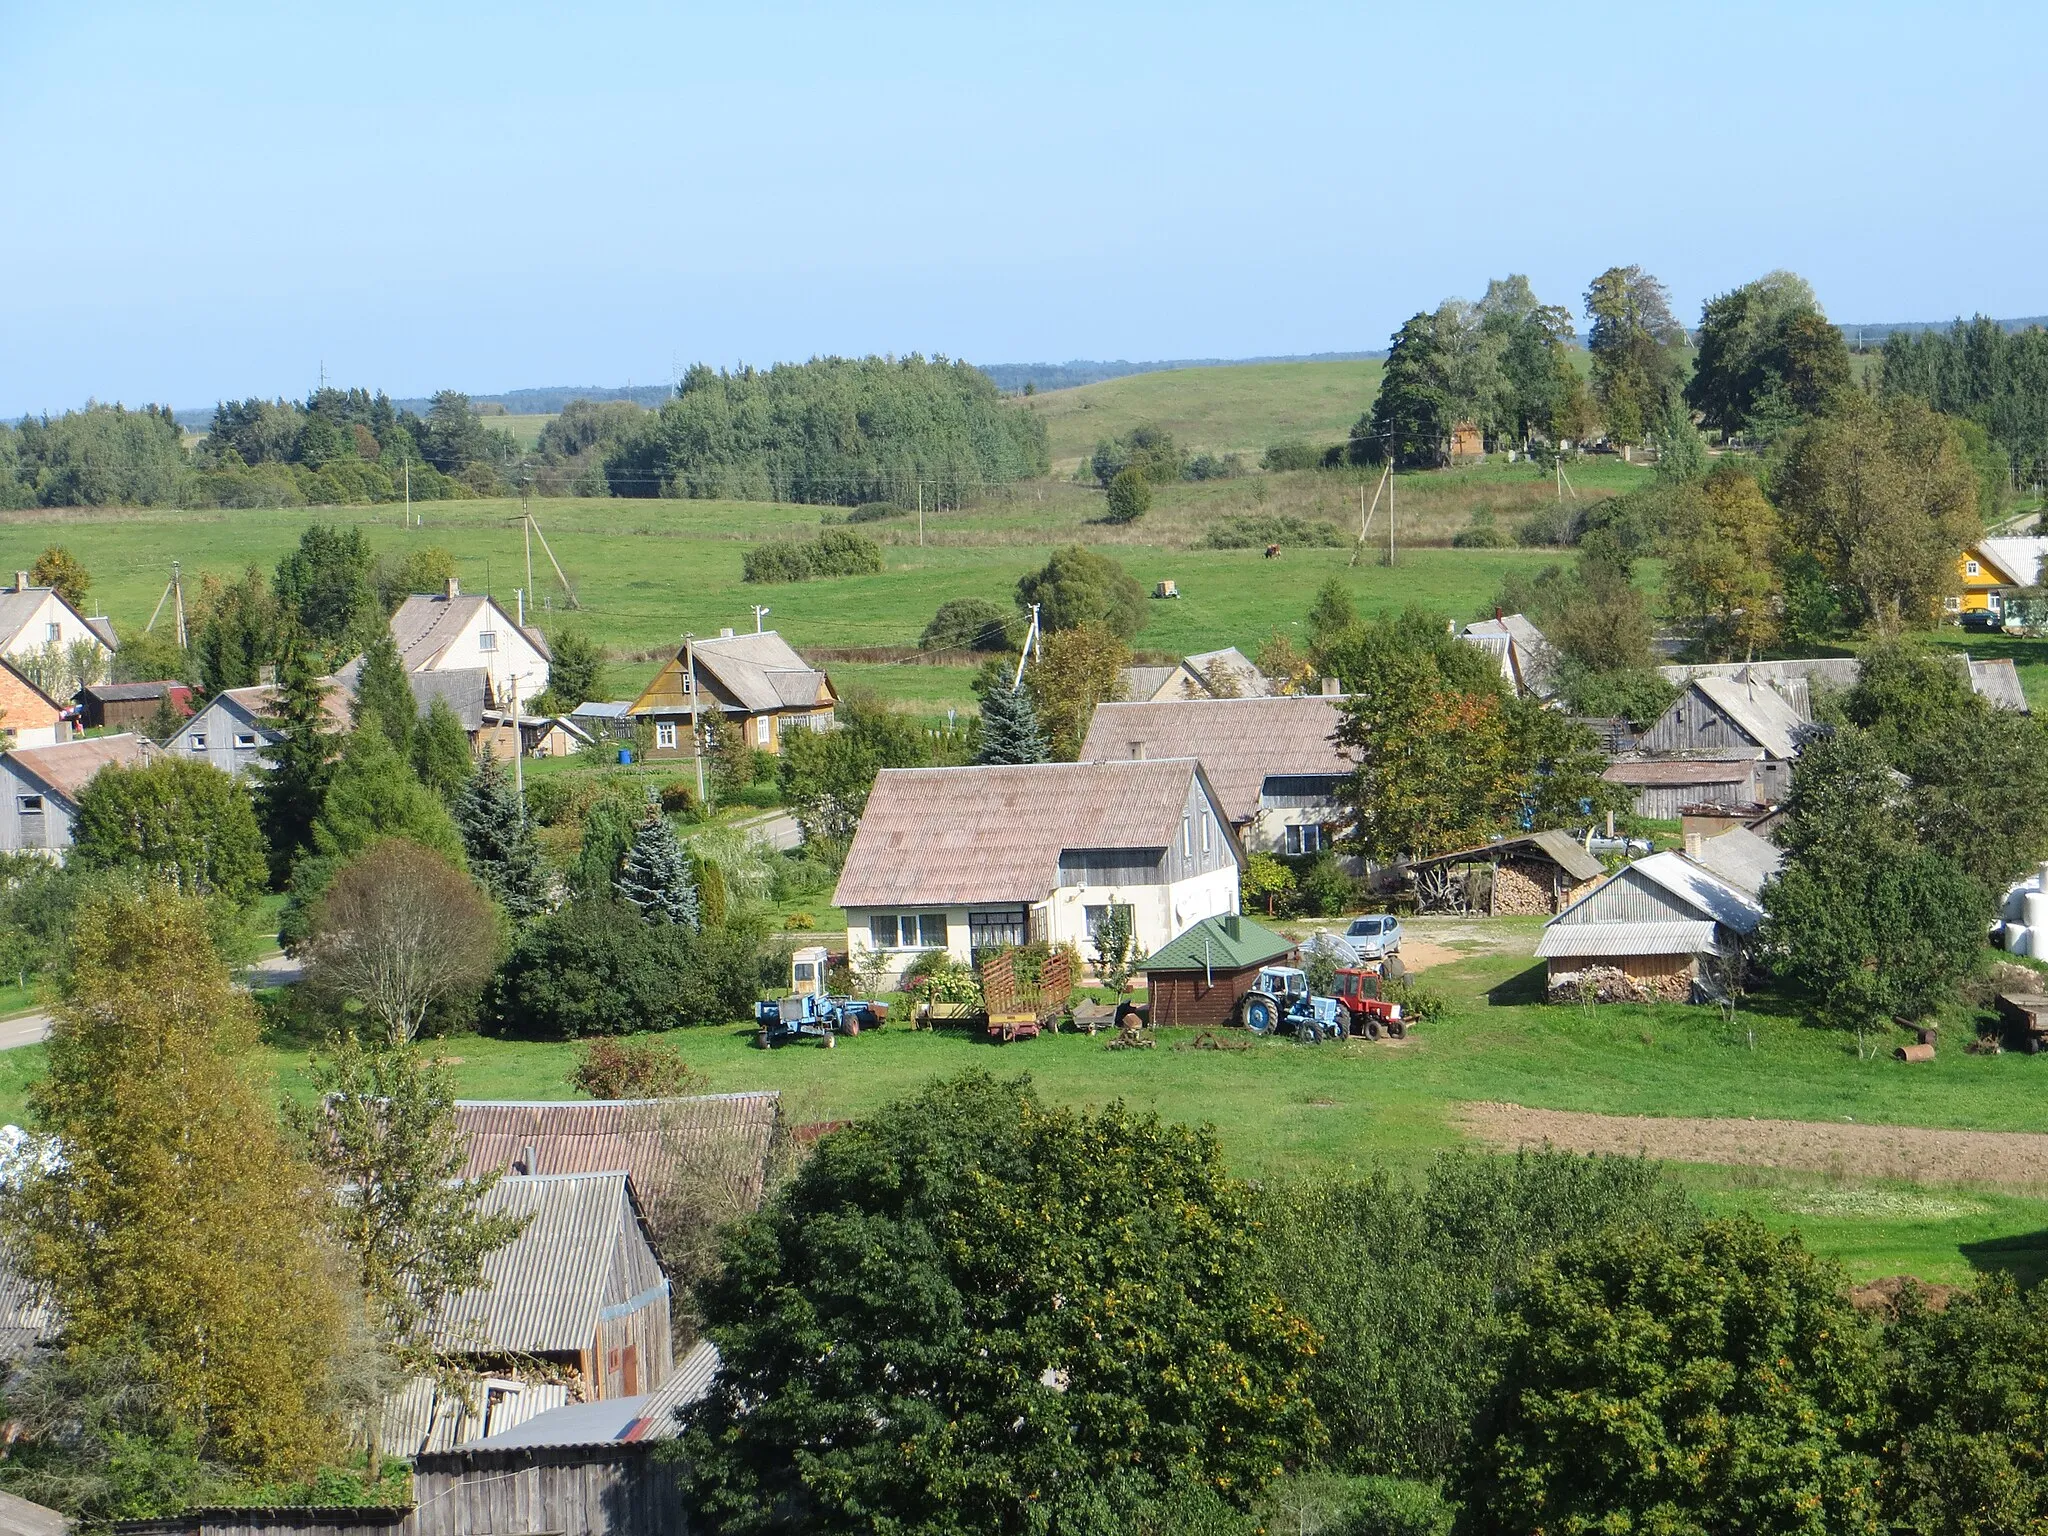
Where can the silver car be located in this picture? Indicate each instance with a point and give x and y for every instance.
(1375, 938)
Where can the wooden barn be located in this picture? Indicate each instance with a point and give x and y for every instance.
(121, 706)
(1197, 979)
(1716, 716)
(1665, 786)
(1538, 872)
(1658, 922)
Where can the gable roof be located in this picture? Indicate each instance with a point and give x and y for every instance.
(1225, 943)
(1251, 682)
(1555, 844)
(1998, 684)
(1757, 709)
(543, 1291)
(1574, 940)
(1527, 662)
(132, 693)
(427, 623)
(1143, 683)
(652, 1139)
(1706, 895)
(647, 1417)
(1741, 858)
(465, 690)
(948, 836)
(1668, 771)
(253, 703)
(66, 768)
(20, 605)
(762, 671)
(2016, 559)
(1240, 742)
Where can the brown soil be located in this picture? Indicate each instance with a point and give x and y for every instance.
(1420, 954)
(1859, 1151)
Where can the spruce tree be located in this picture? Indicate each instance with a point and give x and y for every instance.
(655, 878)
(298, 764)
(440, 751)
(1009, 727)
(373, 794)
(384, 696)
(498, 837)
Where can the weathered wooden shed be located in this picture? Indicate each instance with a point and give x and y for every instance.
(1665, 786)
(1197, 979)
(1720, 715)
(126, 706)
(1655, 922)
(1537, 872)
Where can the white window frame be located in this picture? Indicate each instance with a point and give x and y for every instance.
(1303, 838)
(1952, 604)
(665, 735)
(1207, 821)
(910, 931)
(1972, 568)
(487, 639)
(199, 742)
(1187, 836)
(245, 741)
(763, 727)
(53, 631)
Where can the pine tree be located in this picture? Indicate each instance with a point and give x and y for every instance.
(1009, 727)
(294, 784)
(655, 878)
(440, 751)
(373, 793)
(498, 837)
(383, 695)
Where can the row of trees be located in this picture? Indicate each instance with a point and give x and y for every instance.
(1079, 1320)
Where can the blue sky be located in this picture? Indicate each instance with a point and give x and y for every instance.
(204, 200)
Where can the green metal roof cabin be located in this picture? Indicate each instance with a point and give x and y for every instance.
(1197, 978)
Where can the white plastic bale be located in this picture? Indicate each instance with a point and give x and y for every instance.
(2018, 940)
(2034, 911)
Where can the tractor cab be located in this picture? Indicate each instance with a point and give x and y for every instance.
(1285, 984)
(808, 968)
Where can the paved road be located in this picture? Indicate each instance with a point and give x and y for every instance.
(778, 829)
(34, 1028)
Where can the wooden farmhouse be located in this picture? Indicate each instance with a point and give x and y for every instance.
(1537, 872)
(1717, 715)
(1650, 931)
(1274, 762)
(576, 1305)
(1991, 571)
(231, 731)
(963, 859)
(1198, 978)
(756, 682)
(40, 786)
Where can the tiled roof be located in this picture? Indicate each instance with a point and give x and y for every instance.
(945, 836)
(652, 1139)
(1241, 742)
(1143, 682)
(66, 768)
(1226, 943)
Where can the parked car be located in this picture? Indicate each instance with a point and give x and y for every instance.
(1375, 938)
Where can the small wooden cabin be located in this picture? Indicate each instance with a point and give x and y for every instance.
(1197, 979)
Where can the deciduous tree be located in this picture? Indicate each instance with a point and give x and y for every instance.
(1635, 344)
(1075, 670)
(826, 776)
(576, 672)
(177, 820)
(1078, 586)
(323, 586)
(56, 567)
(1129, 497)
(1721, 579)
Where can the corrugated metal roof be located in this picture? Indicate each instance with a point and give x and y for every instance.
(1758, 709)
(66, 768)
(1998, 683)
(1742, 858)
(542, 1292)
(1701, 888)
(1226, 943)
(1569, 940)
(2018, 558)
(1662, 772)
(649, 1138)
(650, 1416)
(1556, 844)
(1241, 742)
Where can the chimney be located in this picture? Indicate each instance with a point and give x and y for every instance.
(21, 581)
(1137, 751)
(725, 633)
(63, 728)
(1332, 688)
(453, 589)
(1230, 925)
(266, 675)
(1693, 843)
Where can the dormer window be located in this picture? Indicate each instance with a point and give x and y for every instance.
(487, 639)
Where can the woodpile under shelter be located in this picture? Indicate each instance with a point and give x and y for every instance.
(1197, 979)
(1537, 872)
(1651, 931)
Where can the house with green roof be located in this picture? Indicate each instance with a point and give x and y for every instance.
(1198, 977)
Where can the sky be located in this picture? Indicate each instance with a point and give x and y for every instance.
(217, 200)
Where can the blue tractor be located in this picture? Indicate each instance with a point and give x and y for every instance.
(1280, 1003)
(811, 1012)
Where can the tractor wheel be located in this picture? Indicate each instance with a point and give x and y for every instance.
(1308, 1032)
(1396, 1029)
(852, 1024)
(761, 1039)
(1369, 1026)
(1261, 1013)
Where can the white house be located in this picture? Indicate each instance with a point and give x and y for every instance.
(40, 786)
(1274, 762)
(1527, 663)
(450, 631)
(37, 621)
(962, 859)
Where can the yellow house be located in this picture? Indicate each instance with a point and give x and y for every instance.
(1991, 568)
(756, 682)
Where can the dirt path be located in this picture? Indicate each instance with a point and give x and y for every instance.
(1851, 1150)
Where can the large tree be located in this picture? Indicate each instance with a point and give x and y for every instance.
(826, 776)
(177, 820)
(58, 568)
(1721, 577)
(497, 837)
(654, 878)
(401, 932)
(1009, 726)
(975, 1313)
(172, 1221)
(1766, 345)
(1078, 586)
(1636, 345)
(299, 762)
(1883, 500)
(324, 588)
(1717, 1381)
(575, 669)
(384, 697)
(236, 631)
(1075, 670)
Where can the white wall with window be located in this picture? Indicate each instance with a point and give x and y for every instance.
(1303, 837)
(665, 735)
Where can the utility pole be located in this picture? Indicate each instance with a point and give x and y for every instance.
(526, 527)
(760, 613)
(1030, 636)
(518, 757)
(408, 490)
(1390, 513)
(178, 586)
(696, 742)
(920, 514)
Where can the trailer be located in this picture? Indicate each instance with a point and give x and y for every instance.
(1020, 1007)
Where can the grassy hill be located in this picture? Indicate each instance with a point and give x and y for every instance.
(1242, 409)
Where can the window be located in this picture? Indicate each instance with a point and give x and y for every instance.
(762, 728)
(996, 927)
(29, 805)
(245, 740)
(1972, 568)
(1187, 837)
(29, 809)
(907, 930)
(487, 639)
(1095, 916)
(198, 742)
(1308, 839)
(53, 633)
(665, 733)
(1206, 819)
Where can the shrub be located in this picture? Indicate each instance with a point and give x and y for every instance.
(1130, 497)
(974, 623)
(1078, 586)
(594, 968)
(1482, 534)
(875, 512)
(1323, 887)
(1549, 528)
(1293, 454)
(679, 798)
(833, 552)
(1256, 532)
(634, 1069)
(1207, 466)
(1419, 1004)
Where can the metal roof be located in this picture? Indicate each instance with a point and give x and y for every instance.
(649, 1138)
(1559, 846)
(1758, 709)
(646, 1417)
(66, 768)
(1568, 940)
(1671, 771)
(1225, 943)
(1714, 897)
(1741, 858)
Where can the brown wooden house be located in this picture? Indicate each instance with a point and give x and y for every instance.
(1197, 979)
(128, 706)
(755, 682)
(1538, 872)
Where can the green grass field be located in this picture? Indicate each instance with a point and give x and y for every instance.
(1281, 1109)
(1241, 409)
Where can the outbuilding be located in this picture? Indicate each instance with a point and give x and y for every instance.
(117, 706)
(1198, 978)
(1516, 876)
(1656, 926)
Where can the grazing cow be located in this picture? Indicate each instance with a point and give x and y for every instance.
(1272, 551)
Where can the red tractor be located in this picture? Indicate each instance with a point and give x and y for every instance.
(1371, 1015)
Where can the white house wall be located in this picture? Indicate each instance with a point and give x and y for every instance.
(215, 735)
(515, 656)
(36, 634)
(16, 834)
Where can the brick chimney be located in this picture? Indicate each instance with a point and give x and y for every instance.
(1332, 688)
(1137, 752)
(1694, 841)
(21, 581)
